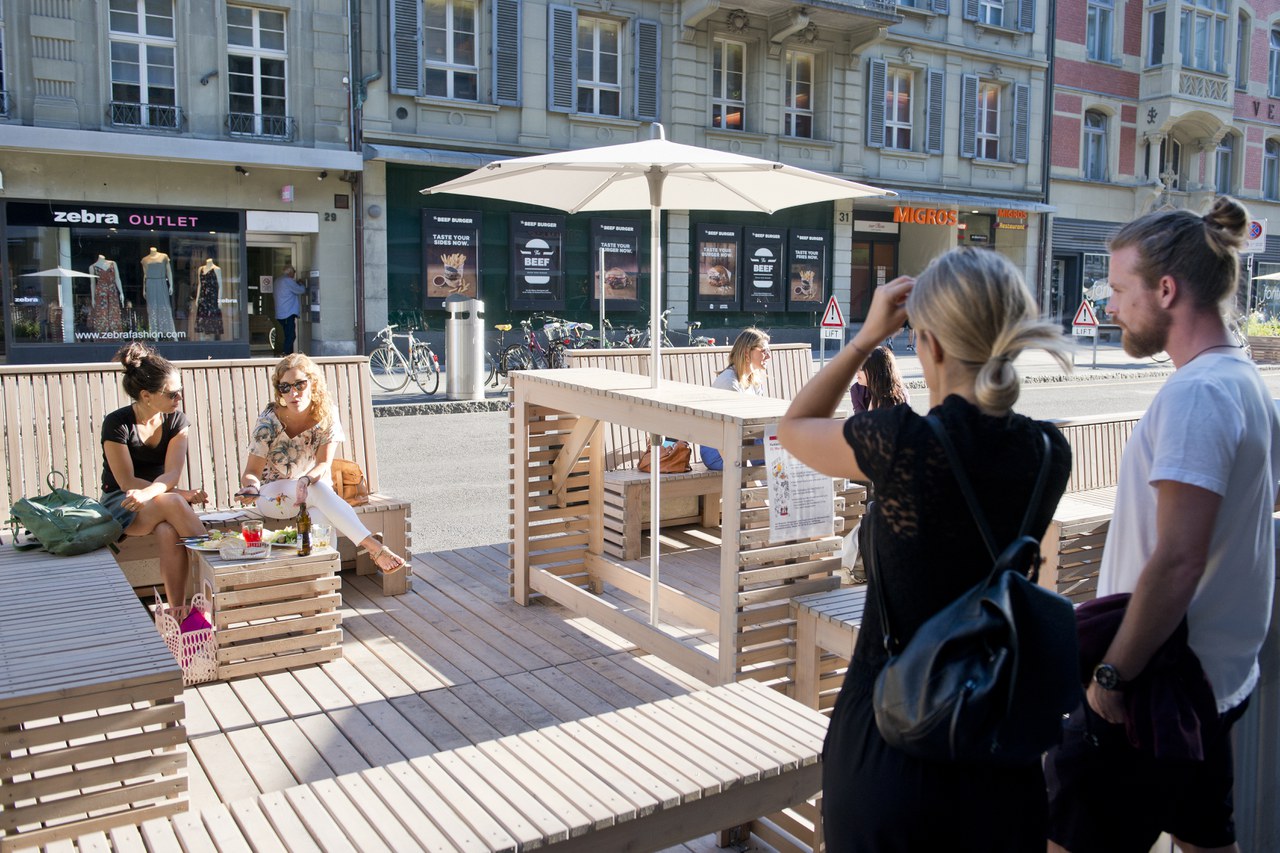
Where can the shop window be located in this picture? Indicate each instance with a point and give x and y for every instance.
(1204, 35)
(895, 111)
(1094, 282)
(143, 55)
(154, 275)
(1095, 146)
(1225, 162)
(1271, 170)
(449, 33)
(1155, 36)
(599, 66)
(729, 85)
(1273, 65)
(257, 85)
(1244, 29)
(1098, 27)
(797, 114)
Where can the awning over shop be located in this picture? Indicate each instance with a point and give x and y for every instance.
(963, 201)
(441, 157)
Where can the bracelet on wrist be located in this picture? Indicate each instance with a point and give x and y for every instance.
(306, 477)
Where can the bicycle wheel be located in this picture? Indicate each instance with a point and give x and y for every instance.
(387, 368)
(514, 357)
(557, 358)
(426, 372)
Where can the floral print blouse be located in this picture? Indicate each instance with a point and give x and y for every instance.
(289, 458)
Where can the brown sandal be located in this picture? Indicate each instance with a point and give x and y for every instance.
(384, 550)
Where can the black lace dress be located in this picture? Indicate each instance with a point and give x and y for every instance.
(877, 798)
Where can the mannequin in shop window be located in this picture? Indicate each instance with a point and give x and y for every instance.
(157, 274)
(208, 296)
(106, 309)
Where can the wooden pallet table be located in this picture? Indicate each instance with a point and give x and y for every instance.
(827, 624)
(273, 614)
(1072, 545)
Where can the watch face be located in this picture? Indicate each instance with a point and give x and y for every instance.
(1106, 676)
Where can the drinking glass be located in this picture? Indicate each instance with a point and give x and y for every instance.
(252, 532)
(320, 534)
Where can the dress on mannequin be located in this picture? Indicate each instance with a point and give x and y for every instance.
(158, 289)
(108, 297)
(208, 309)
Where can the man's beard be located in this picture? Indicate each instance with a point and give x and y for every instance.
(1149, 341)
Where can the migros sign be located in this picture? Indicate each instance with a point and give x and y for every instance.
(925, 216)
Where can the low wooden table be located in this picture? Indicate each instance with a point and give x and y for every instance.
(278, 613)
(1072, 545)
(826, 623)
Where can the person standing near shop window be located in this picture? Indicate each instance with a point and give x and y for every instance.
(288, 306)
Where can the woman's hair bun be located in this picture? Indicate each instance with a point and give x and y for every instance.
(132, 355)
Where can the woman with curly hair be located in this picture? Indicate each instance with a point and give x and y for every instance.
(878, 384)
(291, 448)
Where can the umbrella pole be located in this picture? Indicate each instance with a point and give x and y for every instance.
(655, 374)
(604, 342)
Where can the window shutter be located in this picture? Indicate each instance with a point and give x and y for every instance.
(1021, 122)
(506, 52)
(935, 110)
(876, 73)
(406, 35)
(562, 58)
(971, 10)
(648, 68)
(969, 115)
(942, 7)
(1027, 15)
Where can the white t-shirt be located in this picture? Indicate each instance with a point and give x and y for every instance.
(1212, 425)
(729, 381)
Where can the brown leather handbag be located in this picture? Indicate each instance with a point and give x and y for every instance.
(672, 459)
(349, 482)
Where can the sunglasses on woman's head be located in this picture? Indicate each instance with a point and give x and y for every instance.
(299, 386)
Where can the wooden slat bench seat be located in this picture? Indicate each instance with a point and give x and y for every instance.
(689, 498)
(91, 722)
(826, 630)
(639, 778)
(54, 417)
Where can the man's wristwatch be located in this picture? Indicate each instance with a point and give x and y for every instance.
(307, 478)
(1108, 677)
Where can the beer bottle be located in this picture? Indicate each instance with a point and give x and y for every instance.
(304, 531)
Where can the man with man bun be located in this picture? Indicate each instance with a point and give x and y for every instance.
(1191, 539)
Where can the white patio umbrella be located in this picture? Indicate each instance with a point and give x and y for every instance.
(653, 175)
(63, 290)
(58, 272)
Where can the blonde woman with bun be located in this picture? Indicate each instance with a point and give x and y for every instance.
(973, 316)
(745, 374)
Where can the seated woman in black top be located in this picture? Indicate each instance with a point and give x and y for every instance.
(973, 316)
(144, 446)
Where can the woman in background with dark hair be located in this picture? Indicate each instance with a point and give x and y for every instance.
(878, 384)
(144, 447)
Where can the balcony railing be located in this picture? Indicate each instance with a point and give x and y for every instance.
(280, 128)
(148, 116)
(1194, 85)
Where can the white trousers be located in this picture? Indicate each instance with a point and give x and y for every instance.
(277, 500)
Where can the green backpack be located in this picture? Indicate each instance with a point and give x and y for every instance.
(63, 522)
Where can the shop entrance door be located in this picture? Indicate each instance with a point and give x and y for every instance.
(265, 262)
(875, 262)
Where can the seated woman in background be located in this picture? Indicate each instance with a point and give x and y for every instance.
(745, 374)
(144, 448)
(291, 448)
(878, 384)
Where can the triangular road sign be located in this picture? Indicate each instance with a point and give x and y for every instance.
(833, 318)
(1085, 315)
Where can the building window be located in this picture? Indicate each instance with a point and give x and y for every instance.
(143, 50)
(1271, 170)
(1225, 161)
(599, 67)
(1204, 35)
(449, 37)
(897, 109)
(1155, 37)
(988, 138)
(991, 12)
(797, 116)
(1098, 30)
(1273, 65)
(1243, 31)
(1095, 146)
(1170, 173)
(728, 85)
(256, 73)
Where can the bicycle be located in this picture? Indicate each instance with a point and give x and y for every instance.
(391, 371)
(496, 361)
(699, 340)
(645, 337)
(529, 354)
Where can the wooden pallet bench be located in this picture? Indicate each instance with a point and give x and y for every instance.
(56, 413)
(91, 719)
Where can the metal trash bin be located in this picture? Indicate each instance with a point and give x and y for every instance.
(464, 348)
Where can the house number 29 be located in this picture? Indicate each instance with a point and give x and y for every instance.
(331, 217)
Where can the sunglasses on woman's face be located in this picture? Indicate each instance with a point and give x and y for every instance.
(173, 395)
(285, 387)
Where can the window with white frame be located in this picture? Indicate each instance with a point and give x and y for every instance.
(988, 135)
(449, 50)
(256, 83)
(797, 112)
(1243, 30)
(599, 66)
(991, 12)
(1095, 146)
(898, 89)
(1155, 34)
(143, 70)
(1225, 164)
(1170, 169)
(728, 85)
(1273, 65)
(1098, 30)
(1271, 170)
(1204, 35)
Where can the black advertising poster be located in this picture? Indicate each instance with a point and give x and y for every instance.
(619, 240)
(537, 268)
(807, 269)
(716, 255)
(450, 254)
(763, 262)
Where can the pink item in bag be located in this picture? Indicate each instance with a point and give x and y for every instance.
(195, 621)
